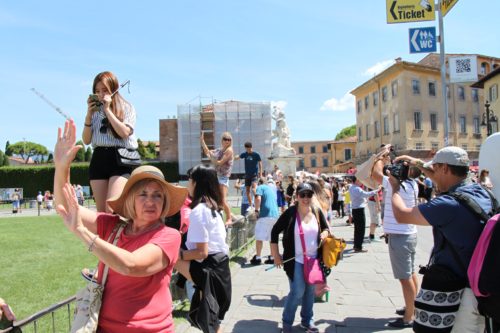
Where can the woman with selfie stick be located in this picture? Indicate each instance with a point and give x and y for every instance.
(109, 125)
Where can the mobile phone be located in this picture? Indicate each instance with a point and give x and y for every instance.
(94, 98)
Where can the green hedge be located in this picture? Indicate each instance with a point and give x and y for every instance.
(41, 177)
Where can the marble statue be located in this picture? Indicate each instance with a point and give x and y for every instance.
(282, 146)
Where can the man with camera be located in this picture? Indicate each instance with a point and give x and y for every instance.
(401, 238)
(456, 229)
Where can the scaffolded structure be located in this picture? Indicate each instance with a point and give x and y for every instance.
(245, 121)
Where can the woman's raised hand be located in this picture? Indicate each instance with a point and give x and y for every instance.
(65, 149)
(71, 214)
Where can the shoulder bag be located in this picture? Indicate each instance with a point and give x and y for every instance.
(128, 157)
(313, 274)
(88, 299)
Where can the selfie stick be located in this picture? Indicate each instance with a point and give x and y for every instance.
(55, 107)
(121, 86)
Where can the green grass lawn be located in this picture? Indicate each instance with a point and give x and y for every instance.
(41, 263)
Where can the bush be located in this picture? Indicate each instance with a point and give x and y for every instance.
(40, 178)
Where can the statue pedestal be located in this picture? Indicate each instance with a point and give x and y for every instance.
(287, 165)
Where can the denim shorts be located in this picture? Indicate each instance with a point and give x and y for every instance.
(223, 180)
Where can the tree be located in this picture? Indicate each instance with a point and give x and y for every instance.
(80, 155)
(27, 149)
(151, 148)
(8, 151)
(50, 158)
(346, 132)
(141, 149)
(88, 154)
(2, 158)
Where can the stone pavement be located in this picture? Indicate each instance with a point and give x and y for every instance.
(363, 298)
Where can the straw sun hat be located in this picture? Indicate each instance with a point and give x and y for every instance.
(175, 194)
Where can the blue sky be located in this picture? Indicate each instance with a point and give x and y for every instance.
(305, 54)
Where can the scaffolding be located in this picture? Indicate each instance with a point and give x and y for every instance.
(245, 121)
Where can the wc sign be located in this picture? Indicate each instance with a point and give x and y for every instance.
(423, 40)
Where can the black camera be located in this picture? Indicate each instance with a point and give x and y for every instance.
(398, 170)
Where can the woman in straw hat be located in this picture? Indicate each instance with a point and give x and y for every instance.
(206, 261)
(136, 294)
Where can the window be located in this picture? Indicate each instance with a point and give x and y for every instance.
(415, 86)
(384, 94)
(360, 134)
(325, 149)
(478, 147)
(377, 129)
(417, 120)
(465, 146)
(301, 149)
(313, 149)
(448, 94)
(419, 145)
(461, 93)
(433, 122)
(483, 68)
(493, 93)
(396, 122)
(394, 88)
(463, 124)
(325, 162)
(434, 146)
(367, 129)
(347, 154)
(477, 129)
(359, 106)
(432, 88)
(313, 162)
(386, 125)
(367, 102)
(375, 98)
(301, 164)
(475, 95)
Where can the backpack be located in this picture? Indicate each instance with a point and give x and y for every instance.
(484, 267)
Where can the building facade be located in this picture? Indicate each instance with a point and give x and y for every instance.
(403, 106)
(489, 84)
(169, 140)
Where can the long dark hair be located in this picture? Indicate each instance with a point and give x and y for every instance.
(206, 187)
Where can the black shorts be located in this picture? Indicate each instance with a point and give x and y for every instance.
(104, 165)
(249, 180)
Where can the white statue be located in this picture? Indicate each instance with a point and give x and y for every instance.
(282, 146)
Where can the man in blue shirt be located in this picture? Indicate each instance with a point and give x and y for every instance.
(266, 208)
(253, 169)
(454, 225)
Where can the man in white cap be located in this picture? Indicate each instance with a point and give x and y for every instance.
(456, 229)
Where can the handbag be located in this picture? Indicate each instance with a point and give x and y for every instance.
(364, 172)
(128, 157)
(88, 299)
(313, 273)
(438, 300)
(333, 250)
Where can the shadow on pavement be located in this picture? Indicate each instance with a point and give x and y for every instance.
(265, 300)
(256, 325)
(357, 324)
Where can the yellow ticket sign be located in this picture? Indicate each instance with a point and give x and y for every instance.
(446, 5)
(402, 11)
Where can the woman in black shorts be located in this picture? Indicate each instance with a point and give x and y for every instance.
(109, 125)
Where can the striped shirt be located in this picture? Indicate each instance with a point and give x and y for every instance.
(107, 139)
(409, 194)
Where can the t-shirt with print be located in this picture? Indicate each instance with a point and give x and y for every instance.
(251, 163)
(269, 202)
(409, 194)
(204, 227)
(458, 225)
(138, 304)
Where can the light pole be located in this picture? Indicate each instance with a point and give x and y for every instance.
(489, 119)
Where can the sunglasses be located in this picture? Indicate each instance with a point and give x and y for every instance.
(226, 139)
(306, 195)
(104, 125)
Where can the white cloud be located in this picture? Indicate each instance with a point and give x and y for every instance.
(344, 103)
(378, 67)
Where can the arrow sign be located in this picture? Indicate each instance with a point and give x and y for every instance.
(423, 40)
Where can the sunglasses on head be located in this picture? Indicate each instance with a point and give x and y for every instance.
(306, 195)
(104, 125)
(226, 139)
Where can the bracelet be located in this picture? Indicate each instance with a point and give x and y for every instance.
(92, 243)
(419, 164)
(88, 125)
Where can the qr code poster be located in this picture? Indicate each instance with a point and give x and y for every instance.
(463, 69)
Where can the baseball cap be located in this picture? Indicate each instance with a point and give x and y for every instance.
(450, 155)
(304, 187)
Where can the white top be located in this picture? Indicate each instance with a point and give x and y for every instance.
(204, 228)
(311, 230)
(409, 195)
(341, 194)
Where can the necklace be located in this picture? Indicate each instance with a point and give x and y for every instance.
(130, 231)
